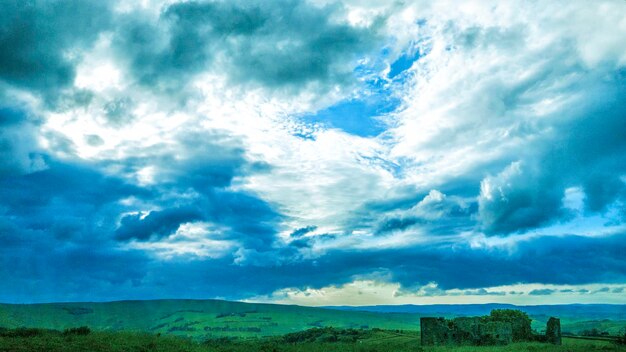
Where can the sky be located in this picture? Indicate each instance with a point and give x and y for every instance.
(313, 152)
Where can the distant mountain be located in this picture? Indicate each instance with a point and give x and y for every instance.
(202, 319)
(574, 317)
(588, 311)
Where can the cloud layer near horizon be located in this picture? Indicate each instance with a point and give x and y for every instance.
(249, 149)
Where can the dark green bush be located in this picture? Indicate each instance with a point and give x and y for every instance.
(621, 339)
(83, 330)
(327, 334)
(520, 323)
(21, 332)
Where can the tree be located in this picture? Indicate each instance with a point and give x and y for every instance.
(520, 322)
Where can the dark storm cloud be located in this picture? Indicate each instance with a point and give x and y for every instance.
(19, 151)
(302, 231)
(72, 182)
(64, 201)
(397, 224)
(59, 229)
(564, 261)
(45, 270)
(55, 233)
(587, 149)
(203, 165)
(156, 223)
(277, 44)
(41, 40)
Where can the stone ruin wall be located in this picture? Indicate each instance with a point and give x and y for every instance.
(478, 331)
(553, 331)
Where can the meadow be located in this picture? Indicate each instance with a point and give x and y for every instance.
(196, 319)
(223, 326)
(316, 340)
(205, 319)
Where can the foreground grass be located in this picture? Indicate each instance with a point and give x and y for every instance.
(368, 341)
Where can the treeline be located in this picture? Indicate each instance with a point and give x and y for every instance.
(326, 339)
(32, 332)
(327, 334)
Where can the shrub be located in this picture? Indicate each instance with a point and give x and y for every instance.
(327, 334)
(83, 330)
(21, 332)
(621, 339)
(520, 323)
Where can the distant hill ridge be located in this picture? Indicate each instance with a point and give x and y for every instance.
(595, 311)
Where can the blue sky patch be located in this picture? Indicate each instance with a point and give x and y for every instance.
(356, 117)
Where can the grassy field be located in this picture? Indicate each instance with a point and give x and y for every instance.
(364, 341)
(203, 319)
(197, 319)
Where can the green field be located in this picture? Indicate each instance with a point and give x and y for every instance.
(203, 319)
(197, 319)
(363, 341)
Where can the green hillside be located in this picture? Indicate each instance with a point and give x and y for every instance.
(196, 318)
(202, 319)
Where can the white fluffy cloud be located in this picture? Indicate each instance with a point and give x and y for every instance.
(373, 292)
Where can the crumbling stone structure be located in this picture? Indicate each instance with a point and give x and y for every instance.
(464, 331)
(553, 331)
(496, 329)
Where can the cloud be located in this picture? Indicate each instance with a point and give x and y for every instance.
(436, 213)
(525, 119)
(19, 149)
(588, 153)
(369, 292)
(602, 290)
(287, 44)
(302, 231)
(248, 147)
(483, 292)
(65, 201)
(155, 224)
(541, 292)
(510, 202)
(42, 41)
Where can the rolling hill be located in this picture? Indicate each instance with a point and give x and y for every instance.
(575, 318)
(216, 318)
(196, 318)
